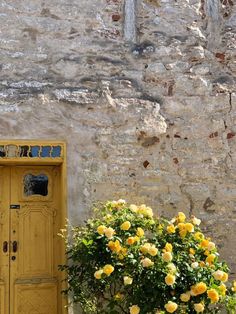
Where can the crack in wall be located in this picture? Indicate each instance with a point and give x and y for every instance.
(189, 197)
(230, 102)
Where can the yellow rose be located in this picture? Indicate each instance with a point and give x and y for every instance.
(142, 209)
(192, 251)
(134, 309)
(117, 247)
(171, 267)
(182, 229)
(234, 286)
(153, 250)
(204, 243)
(149, 212)
(181, 217)
(111, 245)
(145, 211)
(170, 229)
(199, 307)
(140, 232)
(114, 246)
(167, 257)
(224, 277)
(122, 253)
(170, 280)
(127, 280)
(145, 248)
(196, 221)
(194, 265)
(218, 274)
(210, 258)
(114, 204)
(101, 229)
(108, 269)
(198, 236)
(131, 240)
(125, 226)
(185, 297)
(189, 227)
(193, 291)
(98, 274)
(181, 225)
(199, 288)
(121, 202)
(133, 208)
(171, 307)
(213, 295)
(223, 289)
(168, 247)
(109, 232)
(118, 204)
(146, 262)
(182, 233)
(211, 246)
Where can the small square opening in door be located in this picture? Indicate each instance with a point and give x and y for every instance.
(35, 185)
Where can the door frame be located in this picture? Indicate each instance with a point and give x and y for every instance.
(44, 161)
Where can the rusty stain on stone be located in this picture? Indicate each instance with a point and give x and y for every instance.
(177, 136)
(146, 163)
(220, 56)
(214, 134)
(208, 203)
(230, 135)
(116, 17)
(142, 134)
(175, 159)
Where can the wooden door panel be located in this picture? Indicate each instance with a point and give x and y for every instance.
(29, 277)
(36, 298)
(35, 225)
(4, 238)
(2, 297)
(34, 222)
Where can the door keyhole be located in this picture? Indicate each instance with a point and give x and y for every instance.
(14, 246)
(5, 247)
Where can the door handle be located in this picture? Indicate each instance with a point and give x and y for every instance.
(14, 246)
(5, 246)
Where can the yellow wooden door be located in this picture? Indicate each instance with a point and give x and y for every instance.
(30, 278)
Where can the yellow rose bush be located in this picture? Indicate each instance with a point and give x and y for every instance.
(126, 260)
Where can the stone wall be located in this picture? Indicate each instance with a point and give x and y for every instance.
(144, 94)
